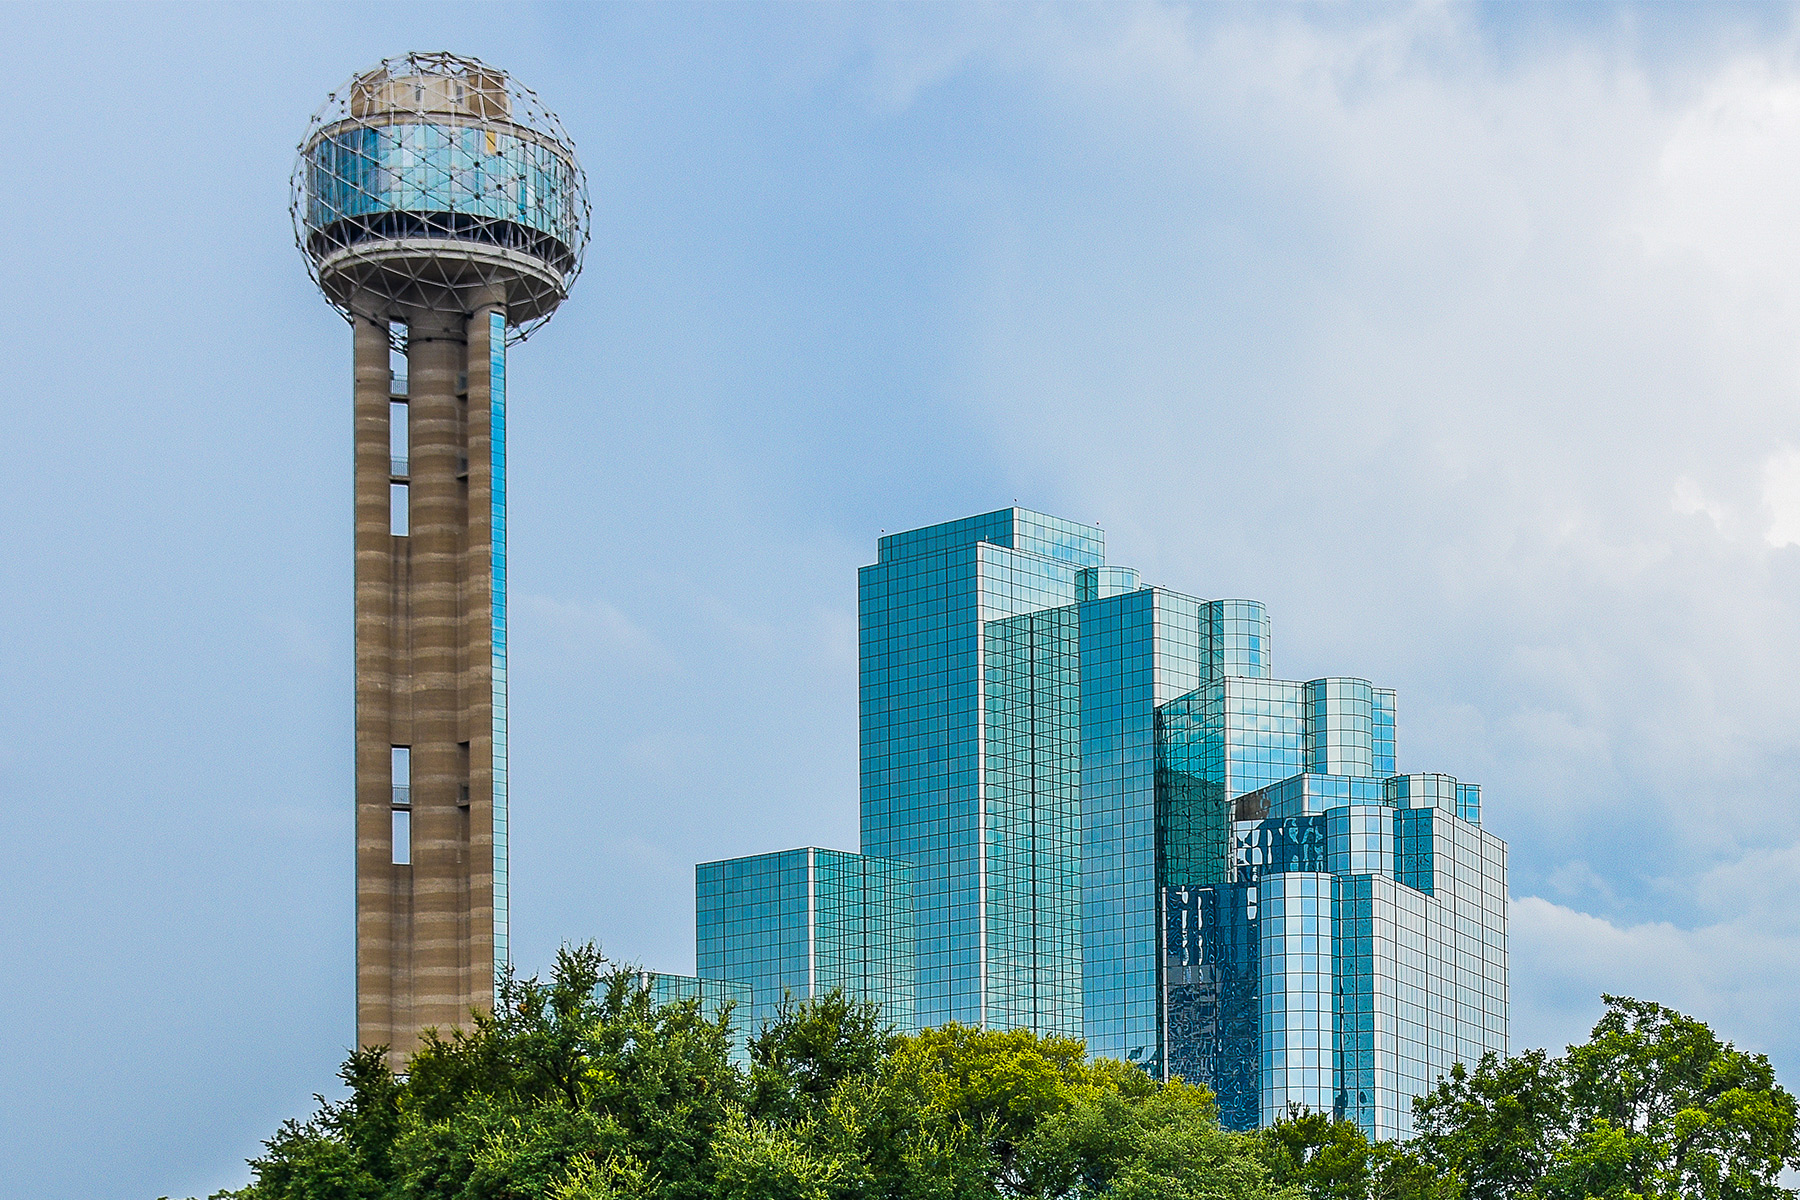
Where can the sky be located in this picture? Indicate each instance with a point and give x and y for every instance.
(1466, 338)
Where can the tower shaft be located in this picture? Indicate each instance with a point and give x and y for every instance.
(430, 677)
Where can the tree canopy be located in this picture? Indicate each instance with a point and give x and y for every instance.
(582, 1088)
(1653, 1106)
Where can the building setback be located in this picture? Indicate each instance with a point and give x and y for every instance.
(1115, 823)
(804, 922)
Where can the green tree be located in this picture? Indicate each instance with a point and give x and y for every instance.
(1653, 1105)
(1497, 1126)
(579, 1088)
(1325, 1159)
(798, 1059)
(1142, 1141)
(958, 1113)
(344, 1152)
(760, 1161)
(995, 1085)
(1397, 1172)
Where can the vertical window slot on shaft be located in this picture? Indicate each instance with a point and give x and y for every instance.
(397, 438)
(403, 836)
(399, 506)
(402, 776)
(402, 772)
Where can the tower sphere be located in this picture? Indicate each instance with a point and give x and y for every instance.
(433, 183)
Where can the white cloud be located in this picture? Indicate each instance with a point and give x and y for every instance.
(1781, 494)
(1689, 500)
(1728, 176)
(1735, 974)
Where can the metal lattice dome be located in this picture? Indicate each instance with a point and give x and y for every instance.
(435, 183)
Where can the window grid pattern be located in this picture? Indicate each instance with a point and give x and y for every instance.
(1311, 794)
(1420, 966)
(1383, 1032)
(1212, 1017)
(802, 922)
(1382, 722)
(1468, 802)
(751, 928)
(1193, 815)
(1015, 528)
(921, 614)
(863, 931)
(1138, 651)
(1032, 801)
(1372, 904)
(1464, 867)
(1097, 583)
(1422, 791)
(1340, 727)
(1235, 640)
(1296, 993)
(1359, 840)
(1339, 944)
(497, 564)
(1242, 734)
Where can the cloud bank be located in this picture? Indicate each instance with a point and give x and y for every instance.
(1482, 366)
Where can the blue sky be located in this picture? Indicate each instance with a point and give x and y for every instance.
(1468, 339)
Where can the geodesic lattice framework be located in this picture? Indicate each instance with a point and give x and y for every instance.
(435, 183)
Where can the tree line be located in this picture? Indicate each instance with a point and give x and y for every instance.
(582, 1088)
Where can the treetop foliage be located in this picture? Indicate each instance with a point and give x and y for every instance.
(1652, 1105)
(582, 1088)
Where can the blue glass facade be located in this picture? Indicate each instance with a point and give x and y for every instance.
(925, 608)
(1139, 649)
(802, 922)
(1358, 950)
(358, 171)
(1112, 820)
(1031, 816)
(497, 528)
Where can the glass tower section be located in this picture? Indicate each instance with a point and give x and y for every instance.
(1031, 809)
(924, 612)
(802, 922)
(1357, 947)
(1139, 649)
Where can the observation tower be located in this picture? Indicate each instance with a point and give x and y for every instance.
(441, 210)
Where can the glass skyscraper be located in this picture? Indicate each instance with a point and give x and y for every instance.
(1105, 817)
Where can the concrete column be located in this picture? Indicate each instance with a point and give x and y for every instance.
(440, 762)
(380, 585)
